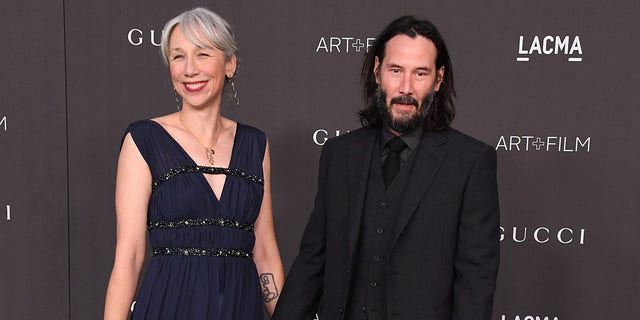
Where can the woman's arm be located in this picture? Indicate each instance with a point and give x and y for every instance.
(265, 252)
(133, 189)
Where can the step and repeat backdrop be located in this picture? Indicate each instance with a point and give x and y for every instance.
(552, 85)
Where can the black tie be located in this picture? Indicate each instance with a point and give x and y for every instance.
(392, 164)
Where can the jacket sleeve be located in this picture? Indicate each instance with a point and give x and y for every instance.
(478, 246)
(303, 287)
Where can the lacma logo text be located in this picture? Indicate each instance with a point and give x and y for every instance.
(549, 45)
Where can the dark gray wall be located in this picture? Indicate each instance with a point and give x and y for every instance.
(75, 73)
(34, 213)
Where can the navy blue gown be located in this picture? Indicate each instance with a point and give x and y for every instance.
(201, 265)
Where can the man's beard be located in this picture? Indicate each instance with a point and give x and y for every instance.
(399, 124)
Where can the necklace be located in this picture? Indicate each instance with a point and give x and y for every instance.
(208, 150)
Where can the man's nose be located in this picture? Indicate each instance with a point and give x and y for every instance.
(406, 84)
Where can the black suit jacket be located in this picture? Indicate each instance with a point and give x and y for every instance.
(445, 250)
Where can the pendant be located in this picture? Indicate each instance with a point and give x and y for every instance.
(210, 154)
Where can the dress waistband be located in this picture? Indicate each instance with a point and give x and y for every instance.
(220, 222)
(212, 252)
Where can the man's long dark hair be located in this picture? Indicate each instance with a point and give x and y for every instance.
(442, 109)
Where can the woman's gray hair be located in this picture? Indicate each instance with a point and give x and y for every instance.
(201, 22)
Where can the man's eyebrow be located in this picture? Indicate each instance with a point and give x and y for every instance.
(421, 68)
(394, 65)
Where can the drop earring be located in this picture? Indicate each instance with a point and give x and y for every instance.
(235, 92)
(178, 105)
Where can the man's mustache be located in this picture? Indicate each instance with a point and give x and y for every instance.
(405, 99)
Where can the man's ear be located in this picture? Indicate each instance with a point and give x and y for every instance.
(439, 78)
(376, 70)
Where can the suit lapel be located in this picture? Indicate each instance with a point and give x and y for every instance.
(359, 162)
(428, 160)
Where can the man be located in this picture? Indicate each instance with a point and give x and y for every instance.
(416, 242)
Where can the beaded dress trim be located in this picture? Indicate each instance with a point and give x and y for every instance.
(212, 252)
(204, 169)
(220, 222)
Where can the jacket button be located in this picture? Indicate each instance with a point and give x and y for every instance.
(341, 310)
(373, 284)
(383, 205)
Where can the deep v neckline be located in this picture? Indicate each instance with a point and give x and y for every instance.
(193, 162)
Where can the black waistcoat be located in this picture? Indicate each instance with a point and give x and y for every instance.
(368, 292)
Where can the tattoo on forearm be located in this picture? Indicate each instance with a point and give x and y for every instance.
(269, 289)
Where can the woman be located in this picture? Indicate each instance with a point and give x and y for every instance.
(199, 183)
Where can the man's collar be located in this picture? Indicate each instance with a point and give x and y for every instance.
(411, 138)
